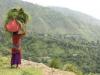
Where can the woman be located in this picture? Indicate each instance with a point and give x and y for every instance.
(16, 24)
(16, 50)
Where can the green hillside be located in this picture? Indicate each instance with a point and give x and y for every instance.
(6, 70)
(55, 20)
(56, 33)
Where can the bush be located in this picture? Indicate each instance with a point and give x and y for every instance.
(55, 63)
(72, 68)
(91, 73)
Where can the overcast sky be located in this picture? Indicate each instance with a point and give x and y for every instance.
(91, 7)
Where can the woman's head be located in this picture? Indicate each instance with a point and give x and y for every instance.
(15, 33)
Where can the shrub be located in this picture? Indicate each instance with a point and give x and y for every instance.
(72, 68)
(55, 63)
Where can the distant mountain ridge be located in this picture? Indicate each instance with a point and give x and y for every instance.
(54, 20)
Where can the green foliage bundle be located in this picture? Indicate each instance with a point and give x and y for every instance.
(12, 14)
(19, 15)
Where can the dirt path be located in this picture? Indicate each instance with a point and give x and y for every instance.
(46, 70)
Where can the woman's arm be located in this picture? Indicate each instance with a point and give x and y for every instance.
(22, 34)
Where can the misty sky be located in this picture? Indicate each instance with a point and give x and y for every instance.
(91, 7)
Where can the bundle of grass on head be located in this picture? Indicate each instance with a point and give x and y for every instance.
(20, 16)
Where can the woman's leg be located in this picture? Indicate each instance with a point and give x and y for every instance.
(17, 65)
(11, 66)
(12, 60)
(18, 59)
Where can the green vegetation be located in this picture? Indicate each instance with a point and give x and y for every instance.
(79, 52)
(73, 68)
(54, 20)
(41, 48)
(55, 63)
(24, 71)
(56, 33)
(6, 70)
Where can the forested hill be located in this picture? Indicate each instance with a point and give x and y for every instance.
(57, 36)
(54, 20)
